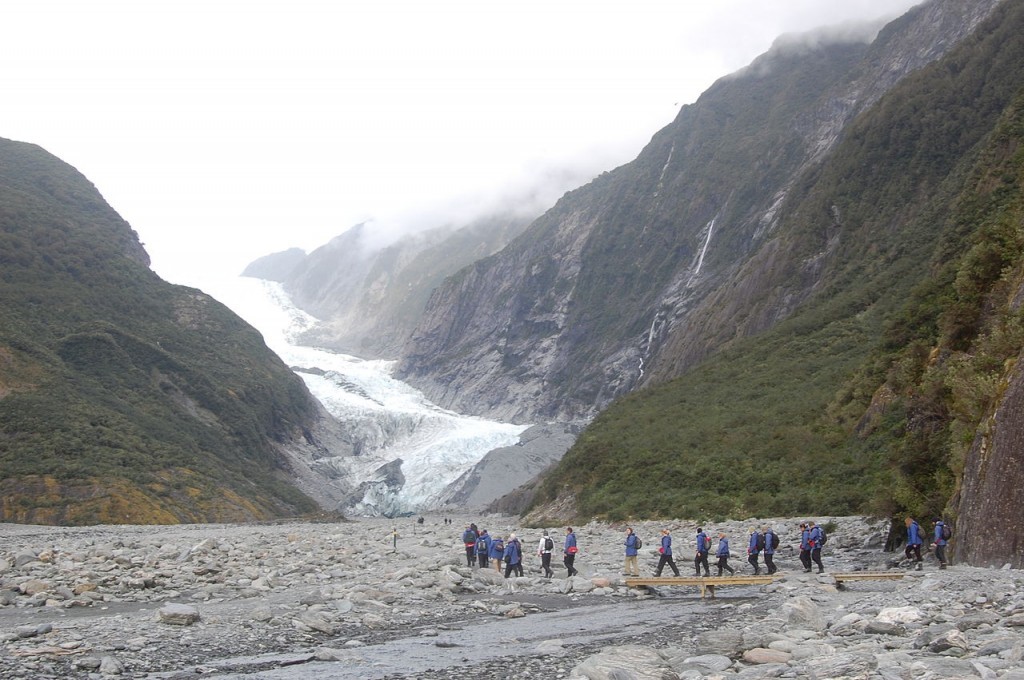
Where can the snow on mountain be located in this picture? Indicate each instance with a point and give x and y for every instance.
(409, 450)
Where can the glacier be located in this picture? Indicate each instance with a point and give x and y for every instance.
(408, 449)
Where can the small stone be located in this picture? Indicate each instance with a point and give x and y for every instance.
(178, 614)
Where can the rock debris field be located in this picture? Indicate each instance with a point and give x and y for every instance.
(335, 600)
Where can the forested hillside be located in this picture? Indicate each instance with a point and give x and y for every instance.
(124, 398)
(870, 395)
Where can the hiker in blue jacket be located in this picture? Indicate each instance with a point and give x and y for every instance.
(569, 551)
(666, 554)
(483, 548)
(513, 556)
(913, 549)
(805, 546)
(940, 543)
(496, 552)
(630, 567)
(815, 540)
(723, 554)
(754, 549)
(770, 541)
(469, 537)
(701, 558)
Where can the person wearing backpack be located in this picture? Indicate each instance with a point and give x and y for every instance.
(703, 547)
(942, 535)
(723, 554)
(569, 550)
(913, 549)
(771, 545)
(754, 548)
(513, 556)
(483, 548)
(497, 552)
(544, 549)
(816, 539)
(630, 567)
(666, 554)
(469, 538)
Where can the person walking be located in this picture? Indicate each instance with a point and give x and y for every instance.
(666, 554)
(497, 552)
(394, 539)
(544, 549)
(805, 547)
(723, 554)
(817, 540)
(913, 549)
(771, 542)
(703, 547)
(940, 542)
(754, 546)
(483, 549)
(469, 537)
(630, 567)
(569, 550)
(513, 556)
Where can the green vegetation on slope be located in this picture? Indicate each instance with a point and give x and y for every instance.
(115, 385)
(866, 398)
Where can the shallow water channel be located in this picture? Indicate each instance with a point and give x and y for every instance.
(489, 639)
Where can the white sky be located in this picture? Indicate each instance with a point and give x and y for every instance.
(224, 130)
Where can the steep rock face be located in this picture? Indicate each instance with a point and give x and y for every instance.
(990, 525)
(650, 268)
(122, 397)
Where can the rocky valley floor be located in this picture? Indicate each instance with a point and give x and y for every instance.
(339, 601)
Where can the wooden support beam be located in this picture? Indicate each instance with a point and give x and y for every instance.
(867, 575)
(706, 584)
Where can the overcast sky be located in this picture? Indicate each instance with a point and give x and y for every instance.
(224, 130)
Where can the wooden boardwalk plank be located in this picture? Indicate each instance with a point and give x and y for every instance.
(706, 584)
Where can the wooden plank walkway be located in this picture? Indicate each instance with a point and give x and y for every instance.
(840, 577)
(706, 584)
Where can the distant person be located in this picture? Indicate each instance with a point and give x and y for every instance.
(805, 547)
(513, 556)
(630, 567)
(469, 537)
(817, 540)
(544, 550)
(569, 550)
(497, 553)
(771, 542)
(394, 539)
(703, 548)
(666, 554)
(940, 539)
(754, 547)
(483, 549)
(913, 549)
(723, 554)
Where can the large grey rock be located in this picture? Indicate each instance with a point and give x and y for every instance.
(178, 614)
(722, 642)
(802, 612)
(630, 662)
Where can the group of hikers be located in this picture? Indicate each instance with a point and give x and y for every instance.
(762, 543)
(941, 533)
(483, 550)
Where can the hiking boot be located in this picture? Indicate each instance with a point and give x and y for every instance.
(821, 571)
(708, 574)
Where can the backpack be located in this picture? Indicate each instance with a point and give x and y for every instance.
(707, 544)
(775, 540)
(639, 543)
(549, 544)
(823, 536)
(468, 537)
(947, 532)
(760, 541)
(481, 544)
(498, 545)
